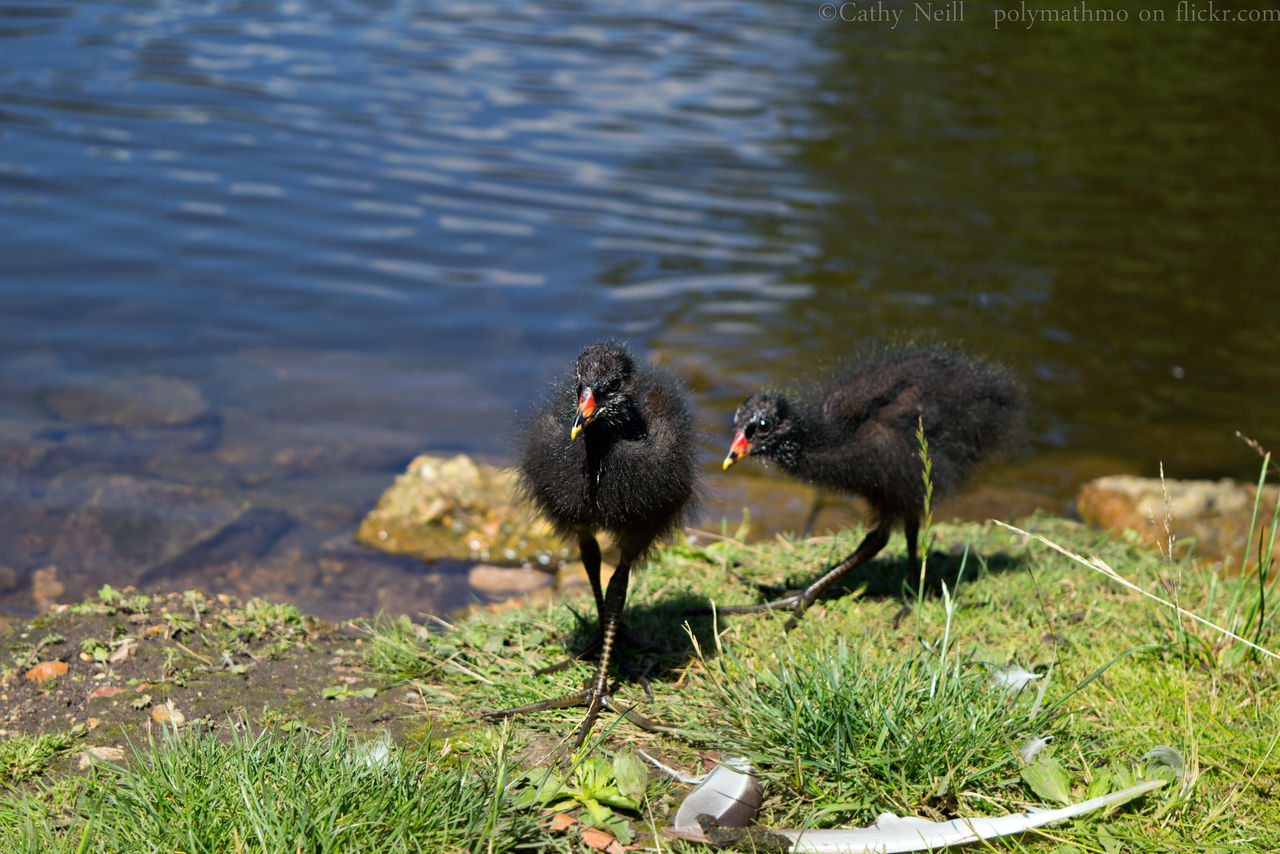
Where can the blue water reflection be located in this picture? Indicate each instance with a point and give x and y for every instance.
(359, 230)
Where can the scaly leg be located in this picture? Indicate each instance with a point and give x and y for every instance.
(910, 527)
(596, 693)
(590, 550)
(870, 546)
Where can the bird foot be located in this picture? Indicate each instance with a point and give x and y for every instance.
(799, 602)
(593, 701)
(788, 601)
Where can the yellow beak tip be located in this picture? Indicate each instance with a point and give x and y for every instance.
(728, 461)
(573, 433)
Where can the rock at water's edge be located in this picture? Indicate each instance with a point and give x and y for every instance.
(459, 509)
(1215, 514)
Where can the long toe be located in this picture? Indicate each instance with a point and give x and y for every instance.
(577, 698)
(789, 601)
(587, 697)
(588, 652)
(645, 723)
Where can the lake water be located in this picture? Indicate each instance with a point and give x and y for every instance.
(258, 254)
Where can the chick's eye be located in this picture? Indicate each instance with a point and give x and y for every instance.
(762, 424)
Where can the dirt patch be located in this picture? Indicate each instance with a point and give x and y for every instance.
(135, 662)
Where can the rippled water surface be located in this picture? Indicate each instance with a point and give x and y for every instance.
(256, 255)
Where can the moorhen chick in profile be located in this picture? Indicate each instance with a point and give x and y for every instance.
(613, 451)
(858, 435)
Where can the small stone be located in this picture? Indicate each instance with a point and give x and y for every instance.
(575, 575)
(90, 755)
(47, 670)
(456, 508)
(105, 691)
(168, 714)
(46, 588)
(122, 652)
(506, 581)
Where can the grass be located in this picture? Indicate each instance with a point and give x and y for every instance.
(836, 726)
(278, 793)
(850, 715)
(25, 756)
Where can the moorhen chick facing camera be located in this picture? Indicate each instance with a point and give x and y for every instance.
(612, 451)
(858, 436)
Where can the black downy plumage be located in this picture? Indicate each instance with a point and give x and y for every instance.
(858, 435)
(612, 451)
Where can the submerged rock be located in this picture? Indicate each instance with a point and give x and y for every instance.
(1213, 513)
(457, 508)
(248, 537)
(128, 402)
(68, 524)
(111, 528)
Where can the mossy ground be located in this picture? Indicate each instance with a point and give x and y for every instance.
(857, 711)
(134, 660)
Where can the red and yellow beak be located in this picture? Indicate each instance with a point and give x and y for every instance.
(586, 412)
(739, 449)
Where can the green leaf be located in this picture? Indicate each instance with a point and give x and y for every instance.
(597, 814)
(1048, 780)
(1099, 785)
(629, 771)
(333, 692)
(614, 798)
(544, 788)
(591, 774)
(1109, 843)
(621, 829)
